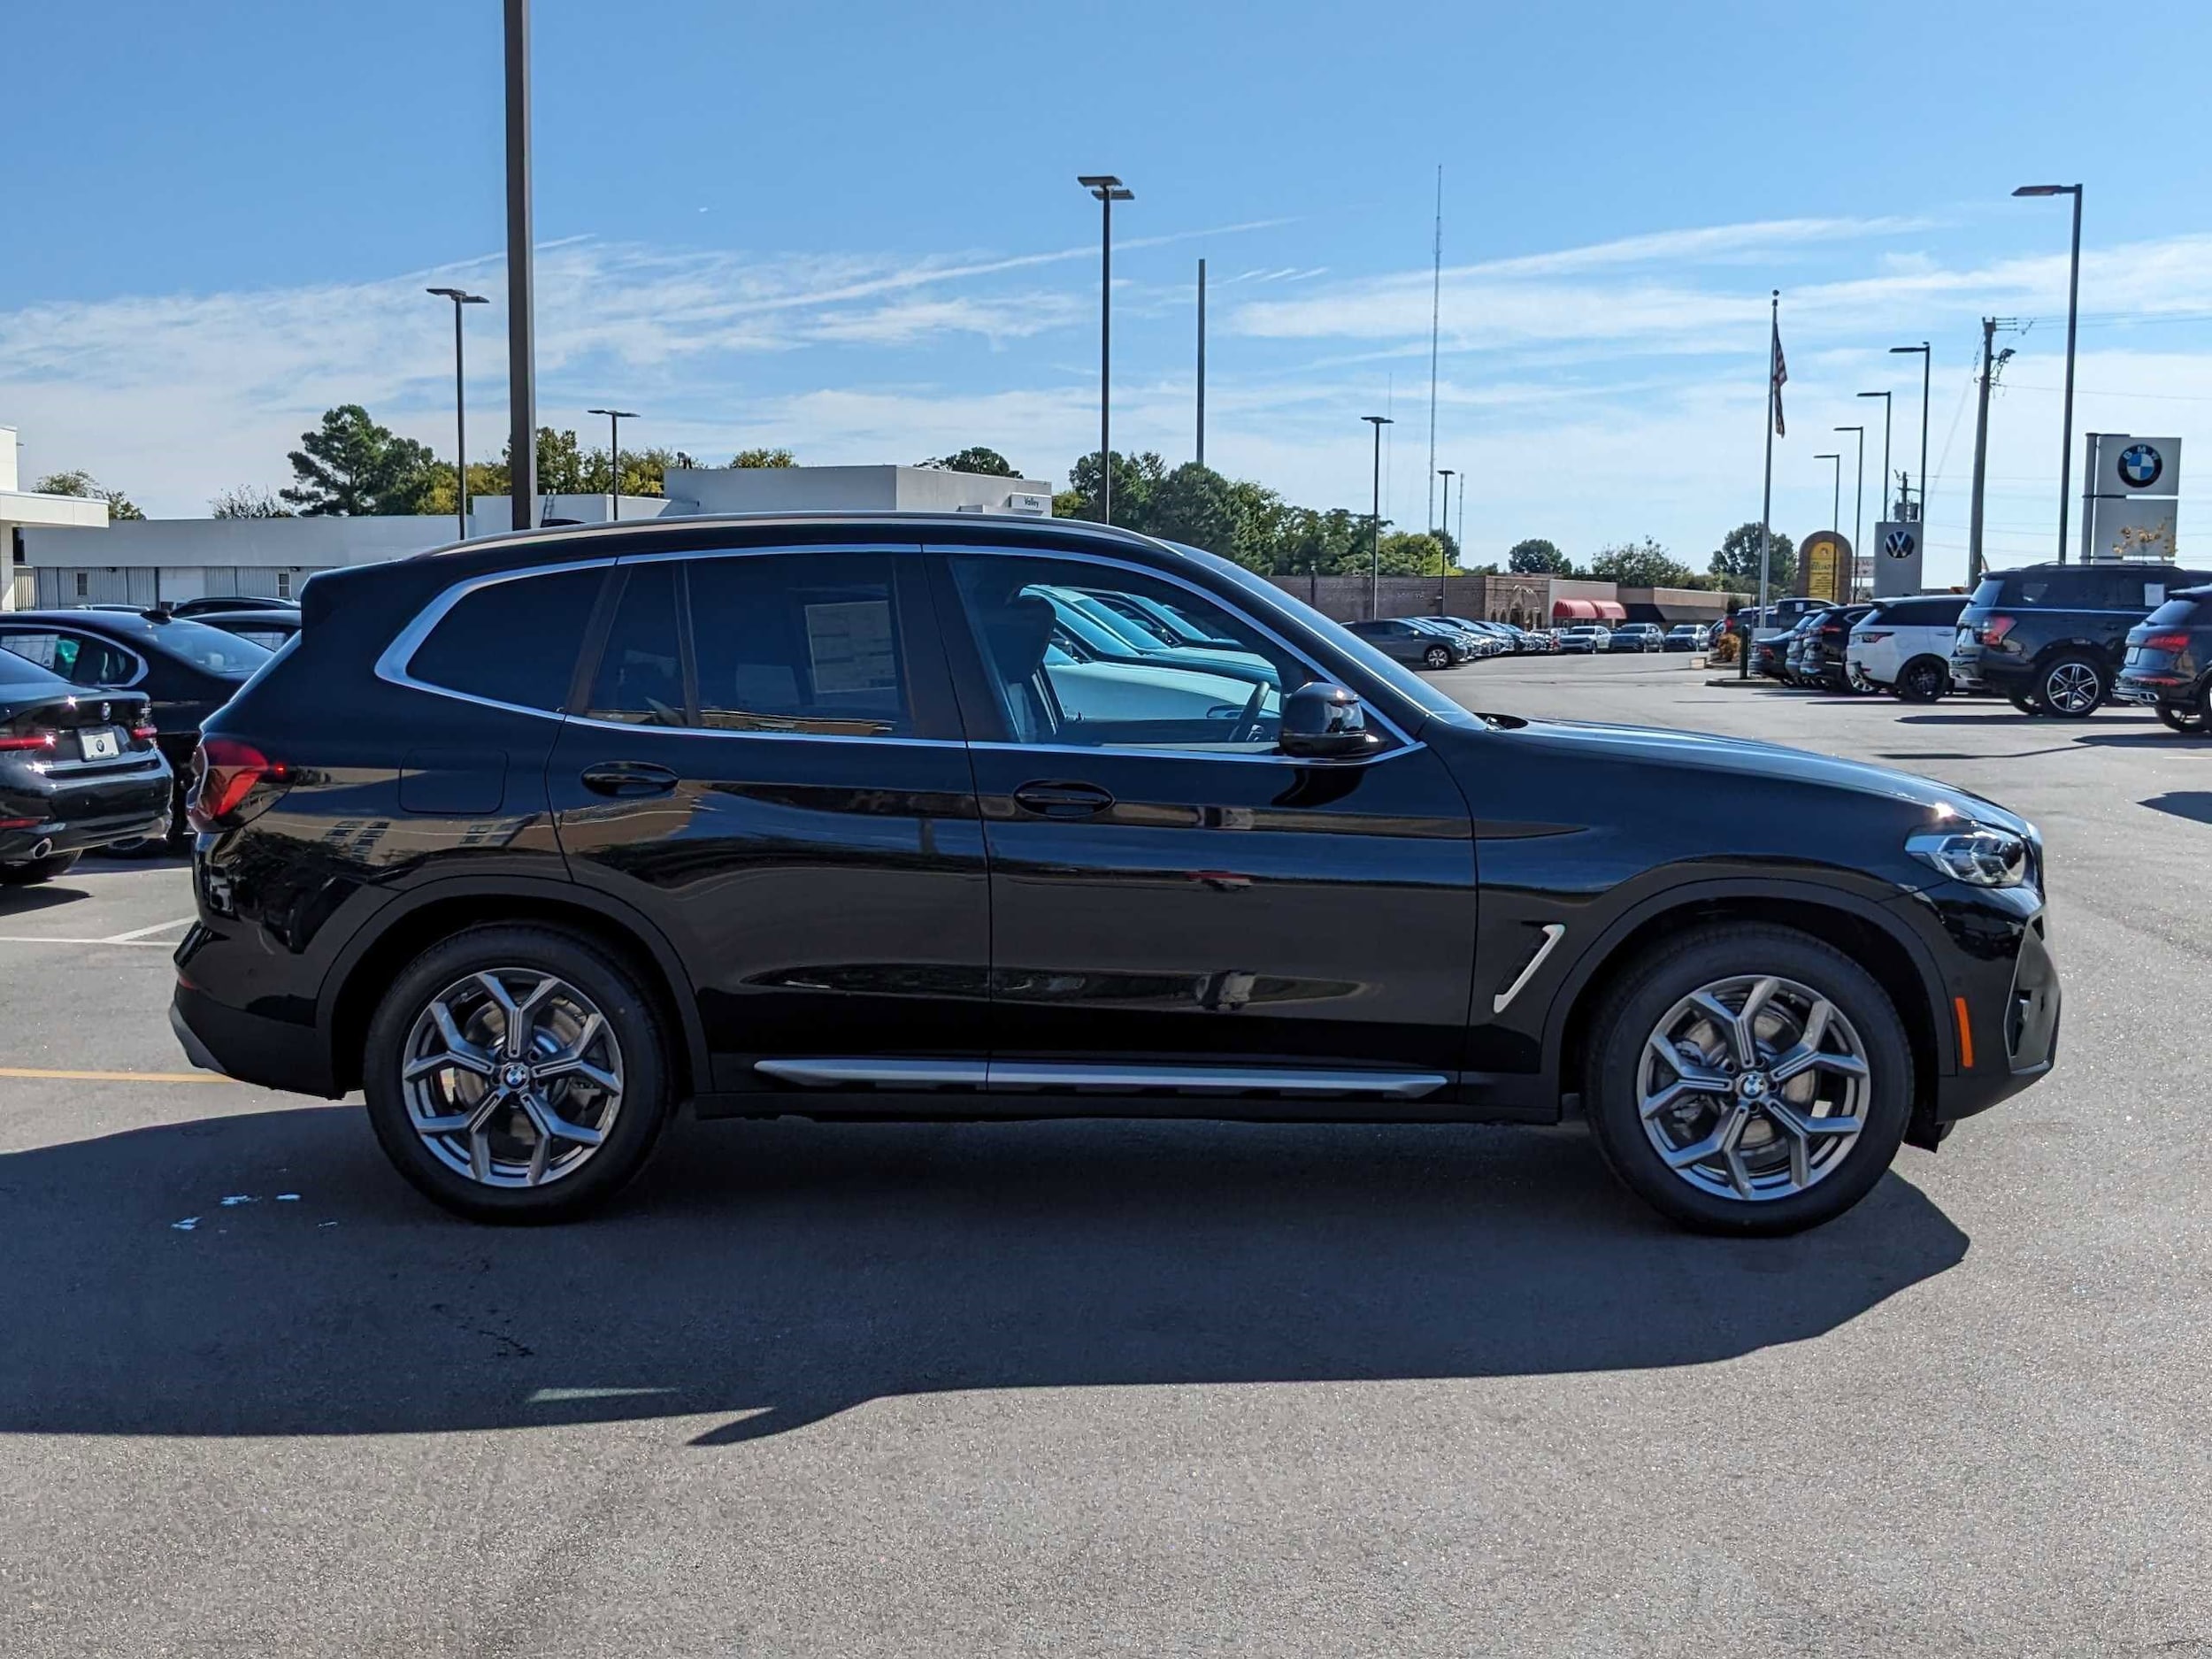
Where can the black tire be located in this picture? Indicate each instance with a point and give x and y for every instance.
(1923, 679)
(1633, 1011)
(1437, 657)
(2191, 722)
(2026, 705)
(30, 873)
(2072, 685)
(630, 1015)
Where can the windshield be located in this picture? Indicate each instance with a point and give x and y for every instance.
(1264, 597)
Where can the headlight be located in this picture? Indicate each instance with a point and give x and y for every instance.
(1976, 854)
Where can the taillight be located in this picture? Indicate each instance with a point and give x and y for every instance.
(145, 734)
(231, 782)
(2164, 643)
(42, 742)
(1995, 629)
(1869, 636)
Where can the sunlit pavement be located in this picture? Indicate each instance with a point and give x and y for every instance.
(907, 1390)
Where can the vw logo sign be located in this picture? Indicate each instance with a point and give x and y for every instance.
(2140, 466)
(1898, 545)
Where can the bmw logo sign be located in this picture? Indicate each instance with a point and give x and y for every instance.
(1898, 544)
(2140, 466)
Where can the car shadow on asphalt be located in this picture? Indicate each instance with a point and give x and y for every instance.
(2189, 803)
(765, 1275)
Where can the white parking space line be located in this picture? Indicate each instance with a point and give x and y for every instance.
(141, 932)
(126, 943)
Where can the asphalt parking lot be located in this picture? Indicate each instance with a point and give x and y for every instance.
(1142, 1388)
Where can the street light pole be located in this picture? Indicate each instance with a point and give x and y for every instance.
(1443, 575)
(460, 297)
(1835, 503)
(1926, 359)
(1885, 503)
(1858, 509)
(2073, 312)
(1202, 362)
(1109, 190)
(615, 417)
(1374, 577)
(522, 345)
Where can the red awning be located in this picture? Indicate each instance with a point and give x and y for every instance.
(1608, 611)
(1573, 610)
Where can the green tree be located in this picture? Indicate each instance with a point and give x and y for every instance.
(1738, 560)
(247, 501)
(975, 458)
(349, 465)
(1134, 479)
(763, 457)
(1406, 553)
(1539, 557)
(1194, 504)
(81, 485)
(1643, 563)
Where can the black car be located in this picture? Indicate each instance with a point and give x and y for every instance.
(811, 816)
(1772, 655)
(77, 771)
(2050, 637)
(1827, 639)
(268, 627)
(2169, 661)
(187, 671)
(226, 605)
(1636, 637)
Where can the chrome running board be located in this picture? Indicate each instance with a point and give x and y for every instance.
(1015, 1077)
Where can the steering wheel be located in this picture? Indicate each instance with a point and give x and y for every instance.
(1246, 729)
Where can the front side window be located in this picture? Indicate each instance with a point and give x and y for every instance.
(512, 641)
(1059, 681)
(799, 643)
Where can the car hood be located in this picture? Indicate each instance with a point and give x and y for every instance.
(1746, 757)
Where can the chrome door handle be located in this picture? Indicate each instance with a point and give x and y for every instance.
(628, 777)
(1063, 800)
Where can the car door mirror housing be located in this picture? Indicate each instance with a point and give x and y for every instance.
(1325, 722)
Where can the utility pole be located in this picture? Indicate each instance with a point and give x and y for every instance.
(522, 340)
(1436, 304)
(1443, 558)
(1991, 364)
(1202, 362)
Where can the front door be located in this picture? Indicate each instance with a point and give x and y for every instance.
(768, 764)
(1173, 903)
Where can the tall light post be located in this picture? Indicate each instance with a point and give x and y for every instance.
(1374, 551)
(1202, 362)
(1885, 413)
(1858, 508)
(2073, 306)
(1835, 503)
(1926, 359)
(615, 417)
(460, 297)
(522, 337)
(1109, 190)
(1443, 573)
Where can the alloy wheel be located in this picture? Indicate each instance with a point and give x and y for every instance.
(512, 1077)
(1754, 1087)
(2071, 687)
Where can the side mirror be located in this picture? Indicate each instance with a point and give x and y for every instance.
(1325, 722)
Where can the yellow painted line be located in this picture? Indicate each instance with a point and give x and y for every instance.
(112, 1077)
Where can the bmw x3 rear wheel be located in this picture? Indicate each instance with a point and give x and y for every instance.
(516, 1074)
(1749, 1079)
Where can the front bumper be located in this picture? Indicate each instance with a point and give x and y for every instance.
(2000, 997)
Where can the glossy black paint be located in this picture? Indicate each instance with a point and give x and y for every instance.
(956, 894)
(2168, 661)
(2020, 621)
(51, 796)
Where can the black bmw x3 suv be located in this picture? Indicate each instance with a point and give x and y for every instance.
(535, 838)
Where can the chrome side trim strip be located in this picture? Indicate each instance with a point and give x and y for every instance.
(1007, 1077)
(1552, 933)
(1195, 754)
(905, 1073)
(1214, 1079)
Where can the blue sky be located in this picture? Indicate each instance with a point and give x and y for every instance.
(854, 229)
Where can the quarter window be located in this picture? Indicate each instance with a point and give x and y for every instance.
(512, 641)
(641, 676)
(1065, 671)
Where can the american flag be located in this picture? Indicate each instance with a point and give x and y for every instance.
(1781, 374)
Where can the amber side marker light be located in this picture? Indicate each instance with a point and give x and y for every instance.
(1966, 1035)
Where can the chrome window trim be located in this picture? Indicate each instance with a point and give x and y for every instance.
(1003, 550)
(392, 663)
(60, 628)
(773, 737)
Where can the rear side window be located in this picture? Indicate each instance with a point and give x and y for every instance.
(1918, 613)
(799, 643)
(512, 641)
(640, 680)
(2181, 613)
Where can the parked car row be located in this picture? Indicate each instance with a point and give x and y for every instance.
(2056, 640)
(101, 708)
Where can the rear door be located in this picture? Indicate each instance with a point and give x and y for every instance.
(767, 763)
(1173, 903)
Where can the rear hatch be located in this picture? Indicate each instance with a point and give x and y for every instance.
(90, 735)
(2167, 648)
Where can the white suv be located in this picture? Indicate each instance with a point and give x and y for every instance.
(1904, 646)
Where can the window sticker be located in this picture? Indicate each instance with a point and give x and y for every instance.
(848, 645)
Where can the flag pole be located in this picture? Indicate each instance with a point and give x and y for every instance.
(1766, 499)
